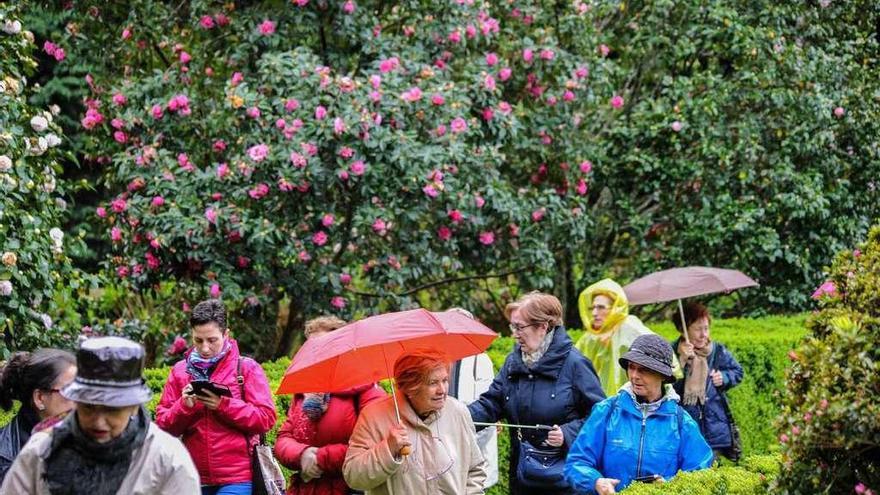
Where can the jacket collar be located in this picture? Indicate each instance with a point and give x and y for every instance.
(551, 362)
(665, 405)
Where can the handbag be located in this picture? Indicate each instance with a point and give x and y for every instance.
(267, 477)
(540, 468)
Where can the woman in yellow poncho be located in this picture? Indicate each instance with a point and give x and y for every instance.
(609, 330)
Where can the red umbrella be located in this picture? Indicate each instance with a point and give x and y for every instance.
(365, 351)
(679, 283)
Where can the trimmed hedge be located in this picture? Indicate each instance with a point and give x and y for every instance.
(751, 477)
(760, 345)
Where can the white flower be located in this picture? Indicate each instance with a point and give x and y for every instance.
(5, 163)
(52, 140)
(12, 27)
(47, 320)
(39, 123)
(55, 109)
(5, 287)
(49, 185)
(60, 203)
(57, 235)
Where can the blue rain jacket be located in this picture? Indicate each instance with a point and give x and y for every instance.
(618, 441)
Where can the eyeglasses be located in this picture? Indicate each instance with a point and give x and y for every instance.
(432, 459)
(519, 328)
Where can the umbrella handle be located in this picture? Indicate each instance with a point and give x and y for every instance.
(406, 450)
(684, 330)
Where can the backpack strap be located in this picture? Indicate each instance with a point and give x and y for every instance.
(239, 377)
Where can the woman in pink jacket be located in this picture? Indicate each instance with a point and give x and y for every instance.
(218, 431)
(314, 439)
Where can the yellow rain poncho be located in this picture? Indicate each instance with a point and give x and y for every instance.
(613, 339)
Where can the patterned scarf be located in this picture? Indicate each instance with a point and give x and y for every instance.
(77, 464)
(530, 358)
(314, 405)
(697, 374)
(201, 368)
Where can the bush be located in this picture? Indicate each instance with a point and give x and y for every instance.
(830, 426)
(753, 476)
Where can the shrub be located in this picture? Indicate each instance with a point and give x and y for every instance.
(830, 426)
(753, 477)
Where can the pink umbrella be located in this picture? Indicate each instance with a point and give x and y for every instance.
(679, 283)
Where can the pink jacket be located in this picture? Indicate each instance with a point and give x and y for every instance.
(330, 434)
(216, 440)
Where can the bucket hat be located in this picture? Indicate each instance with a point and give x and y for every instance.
(652, 352)
(109, 372)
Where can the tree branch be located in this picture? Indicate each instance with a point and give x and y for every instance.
(441, 282)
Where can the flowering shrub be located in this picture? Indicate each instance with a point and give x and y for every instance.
(830, 427)
(32, 246)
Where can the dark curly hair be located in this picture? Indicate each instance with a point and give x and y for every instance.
(26, 372)
(209, 311)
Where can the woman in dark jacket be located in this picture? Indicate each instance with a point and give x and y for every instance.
(35, 380)
(545, 381)
(710, 371)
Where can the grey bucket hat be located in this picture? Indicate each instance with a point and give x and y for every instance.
(652, 352)
(109, 372)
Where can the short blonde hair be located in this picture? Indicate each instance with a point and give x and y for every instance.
(323, 324)
(537, 307)
(412, 369)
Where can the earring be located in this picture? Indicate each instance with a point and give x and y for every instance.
(41, 407)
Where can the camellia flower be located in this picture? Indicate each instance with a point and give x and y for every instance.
(338, 126)
(380, 227)
(185, 57)
(616, 102)
(115, 234)
(267, 27)
(489, 82)
(505, 73)
(547, 54)
(839, 112)
(337, 302)
(826, 289)
(389, 64)
(444, 233)
(258, 152)
(458, 125)
(5, 288)
(676, 126)
(455, 216)
(157, 112)
(222, 170)
(215, 291)
(413, 94)
(581, 187)
(101, 212)
(253, 112)
(319, 238)
(358, 167)
(491, 59)
(260, 191)
(327, 220)
(9, 258)
(207, 22)
(39, 123)
(118, 205)
(320, 112)
(528, 54)
(538, 214)
(487, 238)
(211, 215)
(604, 50)
(179, 345)
(479, 201)
(348, 7)
(430, 191)
(157, 201)
(586, 166)
(119, 99)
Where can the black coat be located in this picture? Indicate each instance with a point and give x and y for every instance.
(541, 395)
(13, 436)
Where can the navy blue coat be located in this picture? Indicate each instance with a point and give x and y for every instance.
(711, 416)
(541, 396)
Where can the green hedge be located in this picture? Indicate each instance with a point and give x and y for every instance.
(751, 477)
(760, 345)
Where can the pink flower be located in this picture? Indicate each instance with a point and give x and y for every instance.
(215, 291)
(222, 170)
(117, 123)
(380, 227)
(795, 431)
(206, 22)
(122, 271)
(119, 99)
(568, 95)
(489, 82)
(479, 201)
(92, 119)
(337, 302)
(823, 404)
(586, 166)
(444, 233)
(604, 50)
(157, 112)
(304, 256)
(319, 238)
(514, 230)
(237, 78)
(320, 112)
(49, 48)
(455, 216)
(101, 212)
(301, 3)
(118, 205)
(157, 201)
(454, 37)
(458, 125)
(783, 438)
(258, 152)
(581, 187)
(298, 160)
(527, 54)
(826, 289)
(547, 54)
(253, 112)
(348, 7)
(338, 126)
(505, 73)
(344, 278)
(470, 31)
(413, 94)
(538, 214)
(152, 261)
(488, 114)
(440, 131)
(126, 33)
(211, 215)
(259, 191)
(491, 59)
(291, 104)
(581, 72)
(327, 220)
(860, 488)
(616, 102)
(120, 137)
(857, 253)
(389, 64)
(343, 175)
(115, 234)
(676, 126)
(839, 112)
(185, 58)
(358, 167)
(487, 238)
(267, 27)
(430, 191)
(219, 146)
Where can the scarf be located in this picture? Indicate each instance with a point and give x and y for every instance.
(530, 358)
(201, 368)
(695, 381)
(649, 408)
(77, 464)
(315, 405)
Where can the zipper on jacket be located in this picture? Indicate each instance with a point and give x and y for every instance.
(642, 439)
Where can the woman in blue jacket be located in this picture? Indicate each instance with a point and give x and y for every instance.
(546, 381)
(639, 434)
(710, 371)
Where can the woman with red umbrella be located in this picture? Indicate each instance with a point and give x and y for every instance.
(314, 438)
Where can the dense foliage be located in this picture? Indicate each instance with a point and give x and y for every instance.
(830, 426)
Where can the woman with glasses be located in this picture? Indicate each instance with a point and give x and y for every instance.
(609, 331)
(429, 449)
(33, 379)
(544, 381)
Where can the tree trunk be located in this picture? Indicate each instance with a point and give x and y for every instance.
(566, 288)
(291, 325)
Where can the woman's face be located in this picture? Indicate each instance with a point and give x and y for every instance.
(208, 339)
(431, 395)
(52, 402)
(527, 334)
(103, 423)
(645, 383)
(698, 333)
(599, 309)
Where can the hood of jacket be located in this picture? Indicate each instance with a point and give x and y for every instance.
(551, 362)
(619, 305)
